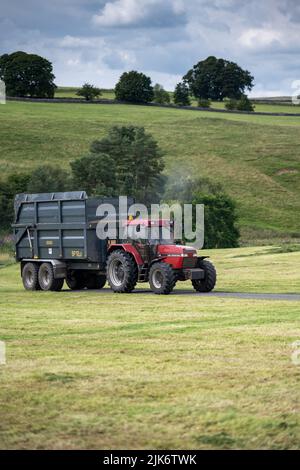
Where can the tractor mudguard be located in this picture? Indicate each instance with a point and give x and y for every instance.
(128, 248)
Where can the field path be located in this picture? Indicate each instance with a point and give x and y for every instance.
(239, 295)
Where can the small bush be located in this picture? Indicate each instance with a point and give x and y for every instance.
(89, 92)
(161, 96)
(182, 95)
(203, 103)
(231, 104)
(244, 104)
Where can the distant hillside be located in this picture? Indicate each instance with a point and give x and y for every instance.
(256, 158)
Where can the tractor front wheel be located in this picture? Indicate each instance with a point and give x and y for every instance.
(208, 283)
(162, 278)
(121, 272)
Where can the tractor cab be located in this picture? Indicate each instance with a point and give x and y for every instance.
(148, 236)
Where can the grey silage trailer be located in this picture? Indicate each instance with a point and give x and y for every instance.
(55, 239)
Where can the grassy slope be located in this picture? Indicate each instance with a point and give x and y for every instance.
(88, 370)
(256, 158)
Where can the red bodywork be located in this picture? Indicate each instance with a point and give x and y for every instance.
(178, 256)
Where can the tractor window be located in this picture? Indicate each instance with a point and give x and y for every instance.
(162, 240)
(145, 238)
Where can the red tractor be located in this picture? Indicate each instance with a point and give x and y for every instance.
(157, 261)
(56, 239)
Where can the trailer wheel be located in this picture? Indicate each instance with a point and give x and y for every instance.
(95, 281)
(47, 280)
(162, 278)
(75, 281)
(30, 276)
(208, 283)
(121, 272)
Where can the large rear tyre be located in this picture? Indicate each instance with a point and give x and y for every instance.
(208, 283)
(47, 280)
(30, 276)
(121, 272)
(162, 278)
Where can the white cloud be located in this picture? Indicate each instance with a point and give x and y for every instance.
(122, 12)
(260, 37)
(73, 41)
(73, 62)
(133, 12)
(162, 38)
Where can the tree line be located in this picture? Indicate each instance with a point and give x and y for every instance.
(212, 79)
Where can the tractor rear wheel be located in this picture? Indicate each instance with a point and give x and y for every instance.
(121, 272)
(30, 276)
(162, 278)
(47, 280)
(208, 283)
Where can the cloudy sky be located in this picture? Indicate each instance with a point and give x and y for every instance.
(96, 40)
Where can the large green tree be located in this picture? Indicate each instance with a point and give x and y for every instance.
(95, 174)
(220, 216)
(134, 87)
(48, 179)
(127, 161)
(27, 75)
(43, 179)
(216, 79)
(9, 187)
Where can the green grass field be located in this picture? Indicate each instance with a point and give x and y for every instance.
(97, 370)
(256, 158)
(70, 92)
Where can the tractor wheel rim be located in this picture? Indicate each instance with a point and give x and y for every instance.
(117, 272)
(157, 279)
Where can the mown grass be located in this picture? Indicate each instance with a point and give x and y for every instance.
(255, 158)
(97, 370)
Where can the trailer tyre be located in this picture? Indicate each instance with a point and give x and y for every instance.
(162, 278)
(121, 272)
(75, 281)
(208, 283)
(47, 280)
(95, 281)
(30, 276)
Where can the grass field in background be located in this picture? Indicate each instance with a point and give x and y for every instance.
(256, 158)
(97, 370)
(70, 92)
